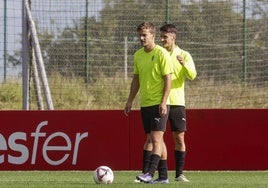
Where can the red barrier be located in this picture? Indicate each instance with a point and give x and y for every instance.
(63, 140)
(227, 139)
(82, 140)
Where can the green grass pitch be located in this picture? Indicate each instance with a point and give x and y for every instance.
(125, 179)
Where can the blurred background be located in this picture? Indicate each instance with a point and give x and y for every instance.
(87, 48)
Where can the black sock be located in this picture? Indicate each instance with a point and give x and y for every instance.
(153, 163)
(146, 160)
(162, 169)
(179, 161)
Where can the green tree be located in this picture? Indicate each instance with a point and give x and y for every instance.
(257, 42)
(211, 30)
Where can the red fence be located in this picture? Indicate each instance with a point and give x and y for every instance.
(82, 140)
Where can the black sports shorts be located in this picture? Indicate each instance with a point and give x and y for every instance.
(151, 119)
(177, 118)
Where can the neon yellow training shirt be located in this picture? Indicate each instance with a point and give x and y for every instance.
(151, 67)
(177, 96)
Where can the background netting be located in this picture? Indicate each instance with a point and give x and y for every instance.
(88, 47)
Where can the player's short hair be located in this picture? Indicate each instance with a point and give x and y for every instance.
(147, 25)
(169, 28)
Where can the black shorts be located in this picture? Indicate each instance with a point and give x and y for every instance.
(177, 118)
(151, 119)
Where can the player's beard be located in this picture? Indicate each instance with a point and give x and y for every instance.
(143, 43)
(167, 46)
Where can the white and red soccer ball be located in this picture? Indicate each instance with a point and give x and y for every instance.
(103, 175)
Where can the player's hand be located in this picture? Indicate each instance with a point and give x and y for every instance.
(180, 59)
(162, 109)
(127, 108)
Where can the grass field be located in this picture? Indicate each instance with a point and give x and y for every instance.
(124, 179)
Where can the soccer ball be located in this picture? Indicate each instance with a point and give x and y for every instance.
(104, 175)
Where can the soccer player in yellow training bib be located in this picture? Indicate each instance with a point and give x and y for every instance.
(184, 67)
(152, 77)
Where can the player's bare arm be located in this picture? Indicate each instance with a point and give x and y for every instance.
(167, 86)
(134, 88)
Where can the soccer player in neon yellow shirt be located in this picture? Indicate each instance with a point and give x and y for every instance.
(152, 77)
(184, 67)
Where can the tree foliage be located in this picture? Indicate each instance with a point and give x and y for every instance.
(212, 31)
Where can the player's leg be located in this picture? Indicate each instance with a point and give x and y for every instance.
(146, 114)
(146, 157)
(147, 147)
(147, 152)
(177, 118)
(157, 142)
(158, 146)
(162, 168)
(158, 127)
(180, 152)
